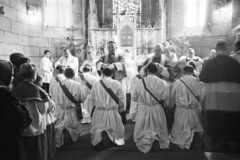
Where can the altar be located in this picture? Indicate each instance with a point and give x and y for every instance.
(135, 34)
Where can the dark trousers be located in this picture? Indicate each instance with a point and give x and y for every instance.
(45, 86)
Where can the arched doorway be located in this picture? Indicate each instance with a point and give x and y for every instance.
(126, 37)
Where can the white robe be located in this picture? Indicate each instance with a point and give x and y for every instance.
(187, 118)
(53, 90)
(133, 104)
(151, 121)
(67, 116)
(106, 116)
(46, 69)
(87, 106)
(71, 61)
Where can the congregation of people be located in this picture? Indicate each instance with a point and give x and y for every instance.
(187, 101)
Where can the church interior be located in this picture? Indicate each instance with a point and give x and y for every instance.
(136, 26)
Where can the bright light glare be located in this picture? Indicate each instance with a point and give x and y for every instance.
(196, 12)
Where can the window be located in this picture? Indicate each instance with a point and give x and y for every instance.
(58, 13)
(130, 7)
(195, 13)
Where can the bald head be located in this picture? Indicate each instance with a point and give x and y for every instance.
(212, 53)
(158, 49)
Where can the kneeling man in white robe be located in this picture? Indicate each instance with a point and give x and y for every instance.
(67, 114)
(187, 94)
(106, 123)
(87, 80)
(151, 127)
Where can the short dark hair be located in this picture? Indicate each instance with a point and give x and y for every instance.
(112, 42)
(152, 68)
(14, 57)
(60, 69)
(221, 45)
(21, 61)
(69, 73)
(38, 80)
(188, 69)
(191, 63)
(27, 70)
(46, 51)
(87, 68)
(107, 72)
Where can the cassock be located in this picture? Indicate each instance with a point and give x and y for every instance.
(236, 56)
(46, 69)
(222, 100)
(133, 104)
(187, 118)
(71, 61)
(67, 115)
(14, 118)
(87, 106)
(106, 116)
(151, 122)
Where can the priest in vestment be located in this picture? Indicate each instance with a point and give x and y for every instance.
(115, 60)
(67, 114)
(151, 126)
(187, 120)
(68, 60)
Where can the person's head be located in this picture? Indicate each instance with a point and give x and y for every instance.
(39, 80)
(69, 73)
(192, 63)
(6, 69)
(188, 70)
(237, 46)
(28, 72)
(112, 47)
(89, 53)
(66, 53)
(166, 44)
(47, 53)
(212, 53)
(158, 49)
(221, 47)
(60, 69)
(139, 68)
(21, 61)
(152, 68)
(108, 72)
(14, 57)
(87, 68)
(190, 52)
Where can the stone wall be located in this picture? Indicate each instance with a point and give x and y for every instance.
(218, 26)
(27, 34)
